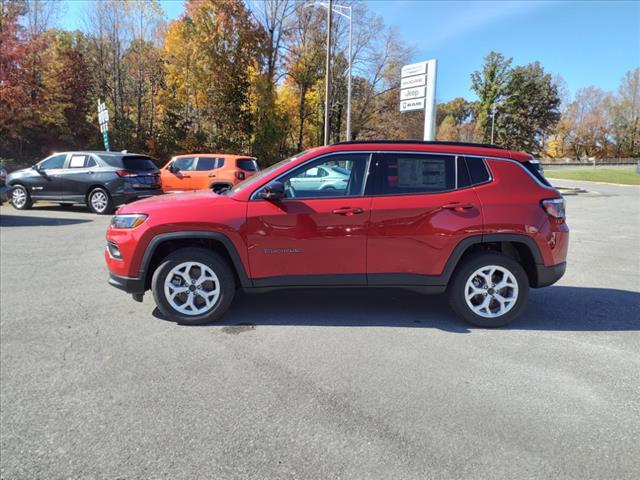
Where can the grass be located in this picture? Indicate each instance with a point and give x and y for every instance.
(623, 176)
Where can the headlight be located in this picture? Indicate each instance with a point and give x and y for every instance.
(128, 220)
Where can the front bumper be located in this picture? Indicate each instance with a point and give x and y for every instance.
(546, 276)
(4, 193)
(131, 285)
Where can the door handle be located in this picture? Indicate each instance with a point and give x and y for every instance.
(348, 211)
(211, 175)
(458, 207)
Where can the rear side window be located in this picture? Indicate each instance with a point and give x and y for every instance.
(406, 173)
(247, 164)
(535, 170)
(77, 161)
(209, 163)
(478, 171)
(81, 161)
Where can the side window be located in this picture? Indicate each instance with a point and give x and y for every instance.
(478, 171)
(57, 161)
(319, 179)
(408, 173)
(91, 162)
(77, 161)
(464, 180)
(209, 163)
(185, 163)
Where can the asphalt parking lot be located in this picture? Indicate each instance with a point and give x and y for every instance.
(318, 384)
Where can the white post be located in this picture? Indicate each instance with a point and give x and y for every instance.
(430, 102)
(327, 87)
(349, 81)
(493, 121)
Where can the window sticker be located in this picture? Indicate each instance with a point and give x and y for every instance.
(422, 173)
(77, 161)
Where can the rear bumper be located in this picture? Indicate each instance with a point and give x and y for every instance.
(549, 275)
(133, 195)
(131, 285)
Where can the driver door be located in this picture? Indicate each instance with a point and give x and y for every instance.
(46, 183)
(180, 178)
(312, 236)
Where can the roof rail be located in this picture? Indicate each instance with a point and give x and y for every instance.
(422, 142)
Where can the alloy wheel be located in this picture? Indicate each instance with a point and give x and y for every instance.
(18, 197)
(491, 291)
(99, 201)
(192, 288)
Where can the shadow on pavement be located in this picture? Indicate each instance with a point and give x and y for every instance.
(29, 221)
(554, 308)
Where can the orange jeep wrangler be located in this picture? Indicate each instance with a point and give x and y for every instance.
(204, 171)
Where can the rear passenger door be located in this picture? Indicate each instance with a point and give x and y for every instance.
(76, 177)
(205, 172)
(423, 206)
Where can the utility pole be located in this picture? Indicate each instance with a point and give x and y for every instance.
(349, 82)
(327, 88)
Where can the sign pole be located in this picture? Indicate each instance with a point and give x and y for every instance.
(430, 102)
(418, 92)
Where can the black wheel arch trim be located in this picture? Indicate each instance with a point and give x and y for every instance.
(464, 244)
(220, 237)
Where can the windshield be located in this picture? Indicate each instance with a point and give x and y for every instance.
(259, 176)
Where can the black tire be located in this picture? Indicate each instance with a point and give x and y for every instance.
(101, 208)
(25, 204)
(457, 285)
(219, 266)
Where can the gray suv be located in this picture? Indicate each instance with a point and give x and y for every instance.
(101, 180)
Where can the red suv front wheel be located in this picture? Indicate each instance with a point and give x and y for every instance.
(193, 286)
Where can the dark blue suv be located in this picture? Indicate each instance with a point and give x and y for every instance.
(101, 180)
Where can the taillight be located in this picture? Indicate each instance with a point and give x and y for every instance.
(554, 207)
(126, 173)
(240, 175)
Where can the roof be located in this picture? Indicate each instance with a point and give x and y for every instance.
(223, 155)
(423, 142)
(459, 148)
(104, 153)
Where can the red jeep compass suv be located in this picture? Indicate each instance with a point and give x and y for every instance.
(476, 221)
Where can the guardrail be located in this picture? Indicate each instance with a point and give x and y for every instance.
(547, 162)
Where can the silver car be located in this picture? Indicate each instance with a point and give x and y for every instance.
(325, 178)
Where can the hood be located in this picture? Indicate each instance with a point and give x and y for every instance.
(190, 200)
(17, 173)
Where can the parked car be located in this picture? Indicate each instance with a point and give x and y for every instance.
(475, 221)
(101, 180)
(206, 171)
(4, 190)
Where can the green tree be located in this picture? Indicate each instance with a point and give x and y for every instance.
(490, 85)
(530, 109)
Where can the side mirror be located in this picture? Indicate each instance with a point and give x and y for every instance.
(36, 167)
(173, 169)
(273, 191)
